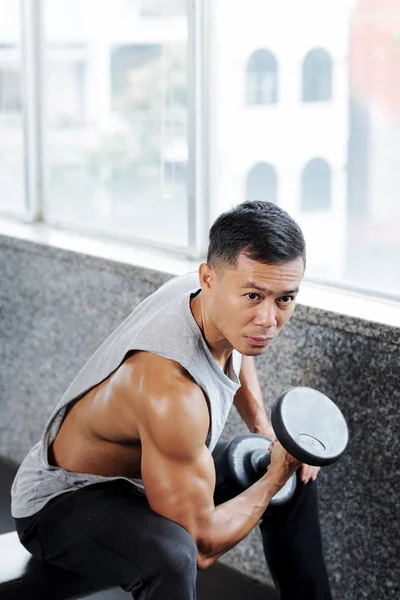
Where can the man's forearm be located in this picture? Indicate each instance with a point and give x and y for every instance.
(249, 402)
(233, 520)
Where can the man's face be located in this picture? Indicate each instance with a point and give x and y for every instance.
(251, 303)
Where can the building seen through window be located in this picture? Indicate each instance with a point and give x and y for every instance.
(13, 155)
(317, 76)
(283, 86)
(116, 117)
(316, 186)
(164, 8)
(262, 75)
(66, 79)
(261, 183)
(10, 91)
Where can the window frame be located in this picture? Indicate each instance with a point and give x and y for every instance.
(201, 155)
(33, 114)
(33, 82)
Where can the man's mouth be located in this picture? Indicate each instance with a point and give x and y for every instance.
(260, 341)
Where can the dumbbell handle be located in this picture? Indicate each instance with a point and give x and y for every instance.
(260, 461)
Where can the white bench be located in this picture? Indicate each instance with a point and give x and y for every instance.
(23, 577)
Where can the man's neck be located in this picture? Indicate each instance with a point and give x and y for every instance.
(222, 359)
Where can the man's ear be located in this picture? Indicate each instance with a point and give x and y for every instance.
(207, 278)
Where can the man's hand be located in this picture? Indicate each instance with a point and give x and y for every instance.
(308, 472)
(282, 464)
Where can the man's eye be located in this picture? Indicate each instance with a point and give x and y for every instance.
(251, 294)
(287, 299)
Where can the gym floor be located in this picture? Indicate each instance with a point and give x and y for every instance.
(219, 582)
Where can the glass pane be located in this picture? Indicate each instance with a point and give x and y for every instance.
(116, 95)
(333, 136)
(155, 8)
(12, 199)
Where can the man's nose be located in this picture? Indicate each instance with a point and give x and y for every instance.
(266, 317)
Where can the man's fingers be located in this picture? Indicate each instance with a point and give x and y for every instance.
(316, 471)
(308, 472)
(271, 446)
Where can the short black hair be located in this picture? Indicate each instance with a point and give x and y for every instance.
(261, 230)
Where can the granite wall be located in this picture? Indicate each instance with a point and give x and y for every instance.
(56, 307)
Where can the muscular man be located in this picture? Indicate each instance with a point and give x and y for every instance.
(121, 485)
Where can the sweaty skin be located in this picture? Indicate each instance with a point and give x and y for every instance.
(149, 419)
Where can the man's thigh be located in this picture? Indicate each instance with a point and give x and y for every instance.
(109, 533)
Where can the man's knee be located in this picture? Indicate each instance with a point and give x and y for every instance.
(177, 553)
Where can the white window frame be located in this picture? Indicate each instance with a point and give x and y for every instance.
(33, 61)
(32, 83)
(200, 163)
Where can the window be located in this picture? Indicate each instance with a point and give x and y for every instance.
(66, 92)
(130, 85)
(157, 8)
(316, 186)
(12, 175)
(317, 76)
(262, 78)
(117, 138)
(261, 183)
(10, 91)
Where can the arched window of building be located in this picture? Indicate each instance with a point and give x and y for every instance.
(262, 78)
(317, 76)
(316, 185)
(261, 183)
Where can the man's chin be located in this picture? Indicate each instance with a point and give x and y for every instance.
(255, 351)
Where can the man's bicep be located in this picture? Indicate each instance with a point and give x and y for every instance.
(181, 491)
(177, 468)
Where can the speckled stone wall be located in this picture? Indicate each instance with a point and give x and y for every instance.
(57, 307)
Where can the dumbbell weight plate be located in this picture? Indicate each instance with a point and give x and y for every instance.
(309, 426)
(243, 469)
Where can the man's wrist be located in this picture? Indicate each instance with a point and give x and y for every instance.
(264, 429)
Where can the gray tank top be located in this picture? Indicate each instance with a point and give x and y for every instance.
(162, 324)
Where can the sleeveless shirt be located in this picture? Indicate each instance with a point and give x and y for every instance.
(162, 324)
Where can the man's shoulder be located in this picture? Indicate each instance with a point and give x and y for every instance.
(155, 372)
(164, 392)
(185, 282)
(165, 298)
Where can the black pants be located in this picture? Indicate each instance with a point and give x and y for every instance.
(109, 533)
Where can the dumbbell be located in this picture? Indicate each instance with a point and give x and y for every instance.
(308, 425)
